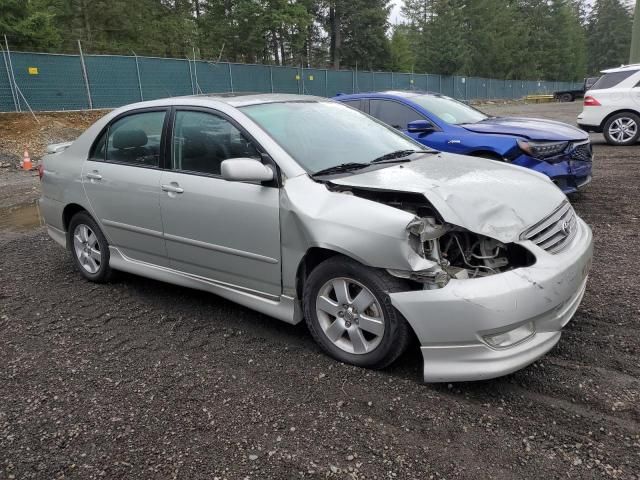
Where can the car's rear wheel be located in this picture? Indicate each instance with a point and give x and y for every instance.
(622, 129)
(349, 313)
(565, 97)
(89, 248)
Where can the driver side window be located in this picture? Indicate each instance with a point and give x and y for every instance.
(393, 113)
(202, 141)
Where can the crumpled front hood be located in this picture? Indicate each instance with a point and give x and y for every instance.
(531, 128)
(484, 196)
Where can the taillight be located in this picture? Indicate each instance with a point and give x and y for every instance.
(589, 101)
(40, 171)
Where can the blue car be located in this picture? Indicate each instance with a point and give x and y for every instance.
(558, 150)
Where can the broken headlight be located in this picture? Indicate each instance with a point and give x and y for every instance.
(542, 149)
(458, 253)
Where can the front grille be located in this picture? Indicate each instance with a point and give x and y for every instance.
(581, 152)
(556, 231)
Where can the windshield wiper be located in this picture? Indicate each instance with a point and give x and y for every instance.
(343, 167)
(398, 155)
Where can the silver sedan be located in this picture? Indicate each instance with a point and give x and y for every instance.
(305, 209)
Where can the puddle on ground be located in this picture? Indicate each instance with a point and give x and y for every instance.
(20, 218)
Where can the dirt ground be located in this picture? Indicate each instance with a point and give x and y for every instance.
(139, 379)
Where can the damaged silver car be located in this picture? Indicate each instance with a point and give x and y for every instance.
(303, 208)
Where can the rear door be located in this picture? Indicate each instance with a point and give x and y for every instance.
(225, 231)
(122, 181)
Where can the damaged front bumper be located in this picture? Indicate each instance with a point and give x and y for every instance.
(458, 325)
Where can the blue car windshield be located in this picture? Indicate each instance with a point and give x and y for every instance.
(448, 109)
(320, 135)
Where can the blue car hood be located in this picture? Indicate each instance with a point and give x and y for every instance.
(531, 128)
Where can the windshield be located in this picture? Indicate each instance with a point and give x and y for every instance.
(320, 135)
(448, 109)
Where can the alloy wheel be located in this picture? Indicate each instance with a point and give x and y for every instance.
(623, 129)
(350, 315)
(87, 248)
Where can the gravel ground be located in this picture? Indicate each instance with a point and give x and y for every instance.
(139, 379)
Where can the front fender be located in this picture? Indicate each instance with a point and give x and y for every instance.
(372, 233)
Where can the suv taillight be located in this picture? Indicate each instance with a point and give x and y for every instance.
(40, 170)
(589, 101)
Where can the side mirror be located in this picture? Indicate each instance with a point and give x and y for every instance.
(420, 126)
(245, 170)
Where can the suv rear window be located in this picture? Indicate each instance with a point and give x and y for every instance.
(612, 79)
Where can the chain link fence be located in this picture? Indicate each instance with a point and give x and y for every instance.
(45, 81)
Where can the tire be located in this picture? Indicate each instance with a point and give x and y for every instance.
(89, 248)
(342, 334)
(566, 97)
(622, 129)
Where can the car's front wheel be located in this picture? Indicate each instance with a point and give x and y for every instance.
(349, 313)
(89, 248)
(622, 129)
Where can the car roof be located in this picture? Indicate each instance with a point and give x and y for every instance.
(232, 99)
(622, 68)
(390, 94)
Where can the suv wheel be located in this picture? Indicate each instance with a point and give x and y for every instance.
(622, 129)
(89, 248)
(349, 313)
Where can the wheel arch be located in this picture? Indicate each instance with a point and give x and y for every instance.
(69, 211)
(623, 110)
(313, 257)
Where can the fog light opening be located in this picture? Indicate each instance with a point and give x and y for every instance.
(511, 337)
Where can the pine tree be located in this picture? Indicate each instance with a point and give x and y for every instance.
(402, 58)
(609, 35)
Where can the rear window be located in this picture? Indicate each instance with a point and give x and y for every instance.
(609, 80)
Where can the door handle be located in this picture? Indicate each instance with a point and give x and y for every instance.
(94, 175)
(172, 189)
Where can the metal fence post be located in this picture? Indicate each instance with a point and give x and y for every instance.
(271, 77)
(138, 72)
(326, 83)
(439, 83)
(9, 74)
(193, 90)
(84, 74)
(230, 76)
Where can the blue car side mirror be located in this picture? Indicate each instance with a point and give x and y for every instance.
(420, 126)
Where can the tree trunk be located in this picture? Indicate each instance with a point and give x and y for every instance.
(634, 56)
(86, 25)
(274, 47)
(336, 37)
(283, 55)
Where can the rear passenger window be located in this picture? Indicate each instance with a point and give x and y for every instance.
(359, 104)
(609, 80)
(393, 113)
(98, 151)
(135, 139)
(202, 141)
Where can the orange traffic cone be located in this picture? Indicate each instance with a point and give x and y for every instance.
(26, 160)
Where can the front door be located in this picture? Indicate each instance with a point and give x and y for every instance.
(225, 231)
(122, 181)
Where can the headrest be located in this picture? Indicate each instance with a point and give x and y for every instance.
(129, 139)
(194, 143)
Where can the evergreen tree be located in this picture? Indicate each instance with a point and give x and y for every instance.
(609, 33)
(634, 55)
(402, 58)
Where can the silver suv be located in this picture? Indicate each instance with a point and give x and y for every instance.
(303, 208)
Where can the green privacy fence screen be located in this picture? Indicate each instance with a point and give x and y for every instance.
(45, 81)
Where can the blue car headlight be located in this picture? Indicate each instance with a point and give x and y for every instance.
(542, 149)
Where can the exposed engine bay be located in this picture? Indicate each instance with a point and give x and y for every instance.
(457, 252)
